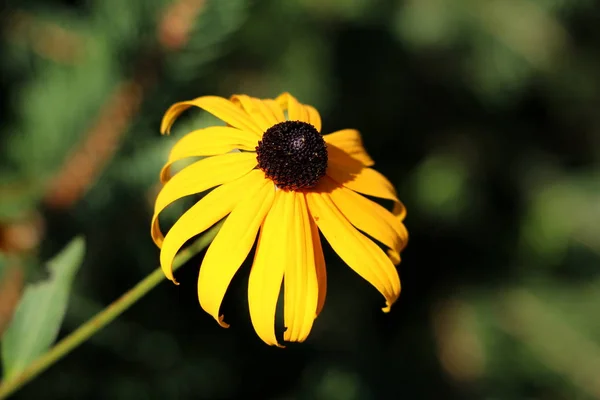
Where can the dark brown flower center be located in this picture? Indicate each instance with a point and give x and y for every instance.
(292, 154)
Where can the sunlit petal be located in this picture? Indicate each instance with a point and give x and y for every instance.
(369, 217)
(198, 177)
(301, 288)
(217, 106)
(349, 172)
(231, 246)
(208, 142)
(268, 268)
(360, 253)
(319, 263)
(299, 112)
(350, 143)
(205, 213)
(288, 217)
(314, 118)
(275, 109)
(260, 112)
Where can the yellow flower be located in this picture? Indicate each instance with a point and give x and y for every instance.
(287, 181)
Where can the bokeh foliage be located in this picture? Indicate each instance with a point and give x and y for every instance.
(484, 114)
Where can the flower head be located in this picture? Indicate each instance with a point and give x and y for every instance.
(285, 183)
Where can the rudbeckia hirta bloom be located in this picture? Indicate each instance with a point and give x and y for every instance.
(276, 177)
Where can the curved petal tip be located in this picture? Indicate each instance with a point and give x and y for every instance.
(394, 256)
(222, 323)
(387, 308)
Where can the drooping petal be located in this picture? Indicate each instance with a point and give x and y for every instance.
(351, 173)
(360, 253)
(268, 268)
(208, 142)
(231, 246)
(217, 106)
(369, 217)
(319, 263)
(299, 112)
(198, 177)
(205, 213)
(350, 142)
(260, 112)
(301, 288)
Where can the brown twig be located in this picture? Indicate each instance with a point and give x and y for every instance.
(175, 27)
(90, 157)
(46, 39)
(11, 289)
(87, 160)
(100, 144)
(16, 238)
(101, 141)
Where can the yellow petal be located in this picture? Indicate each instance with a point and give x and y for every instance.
(351, 173)
(350, 142)
(231, 246)
(198, 177)
(319, 263)
(268, 268)
(301, 288)
(360, 253)
(217, 106)
(295, 110)
(275, 109)
(314, 118)
(299, 112)
(208, 142)
(260, 112)
(369, 217)
(205, 213)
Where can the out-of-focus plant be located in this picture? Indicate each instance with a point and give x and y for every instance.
(484, 113)
(86, 82)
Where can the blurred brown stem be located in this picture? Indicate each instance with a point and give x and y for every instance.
(100, 143)
(11, 289)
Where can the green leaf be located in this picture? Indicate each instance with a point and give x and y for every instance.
(39, 315)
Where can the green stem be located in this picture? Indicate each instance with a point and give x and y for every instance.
(103, 318)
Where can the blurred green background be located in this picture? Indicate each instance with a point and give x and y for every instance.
(484, 114)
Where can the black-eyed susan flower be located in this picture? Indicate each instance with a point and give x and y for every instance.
(277, 177)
